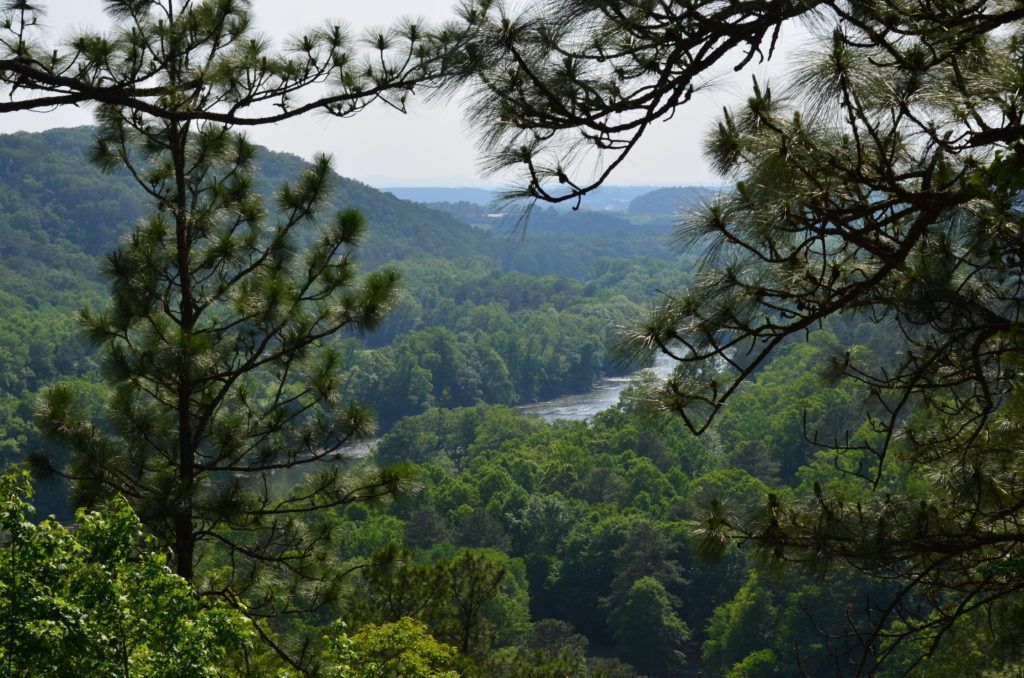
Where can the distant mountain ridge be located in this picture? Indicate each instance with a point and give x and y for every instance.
(603, 199)
(607, 210)
(429, 194)
(671, 200)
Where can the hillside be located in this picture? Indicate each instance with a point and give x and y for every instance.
(60, 214)
(53, 197)
(669, 202)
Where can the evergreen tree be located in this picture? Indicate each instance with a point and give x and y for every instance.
(451, 595)
(133, 65)
(881, 184)
(561, 91)
(474, 579)
(395, 587)
(223, 393)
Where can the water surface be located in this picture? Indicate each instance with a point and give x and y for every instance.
(576, 407)
(603, 395)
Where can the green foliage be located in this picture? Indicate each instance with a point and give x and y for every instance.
(875, 216)
(213, 339)
(507, 337)
(400, 649)
(583, 550)
(740, 629)
(521, 663)
(471, 599)
(777, 620)
(217, 369)
(771, 427)
(470, 334)
(760, 664)
(100, 599)
(648, 633)
(879, 186)
(566, 499)
(981, 643)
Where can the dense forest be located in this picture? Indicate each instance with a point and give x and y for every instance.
(486, 317)
(259, 419)
(584, 526)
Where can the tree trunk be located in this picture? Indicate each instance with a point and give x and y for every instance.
(184, 538)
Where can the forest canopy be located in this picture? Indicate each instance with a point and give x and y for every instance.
(827, 483)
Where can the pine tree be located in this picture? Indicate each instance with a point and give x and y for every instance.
(213, 345)
(561, 91)
(881, 186)
(136, 63)
(224, 428)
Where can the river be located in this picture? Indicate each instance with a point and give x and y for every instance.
(603, 395)
(576, 407)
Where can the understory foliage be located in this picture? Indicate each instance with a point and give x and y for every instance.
(101, 599)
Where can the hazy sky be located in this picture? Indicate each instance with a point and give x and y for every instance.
(430, 145)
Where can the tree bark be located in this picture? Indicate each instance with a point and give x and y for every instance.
(184, 539)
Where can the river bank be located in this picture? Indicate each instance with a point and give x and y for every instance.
(580, 406)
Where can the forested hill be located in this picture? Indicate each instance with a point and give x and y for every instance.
(52, 196)
(56, 206)
(670, 200)
(59, 214)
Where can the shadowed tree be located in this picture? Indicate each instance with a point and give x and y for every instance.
(474, 579)
(881, 185)
(647, 632)
(451, 594)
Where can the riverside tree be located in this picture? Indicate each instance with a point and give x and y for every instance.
(880, 183)
(213, 340)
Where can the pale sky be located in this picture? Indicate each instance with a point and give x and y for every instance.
(429, 146)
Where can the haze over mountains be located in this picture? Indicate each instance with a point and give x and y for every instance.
(653, 200)
(52, 195)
